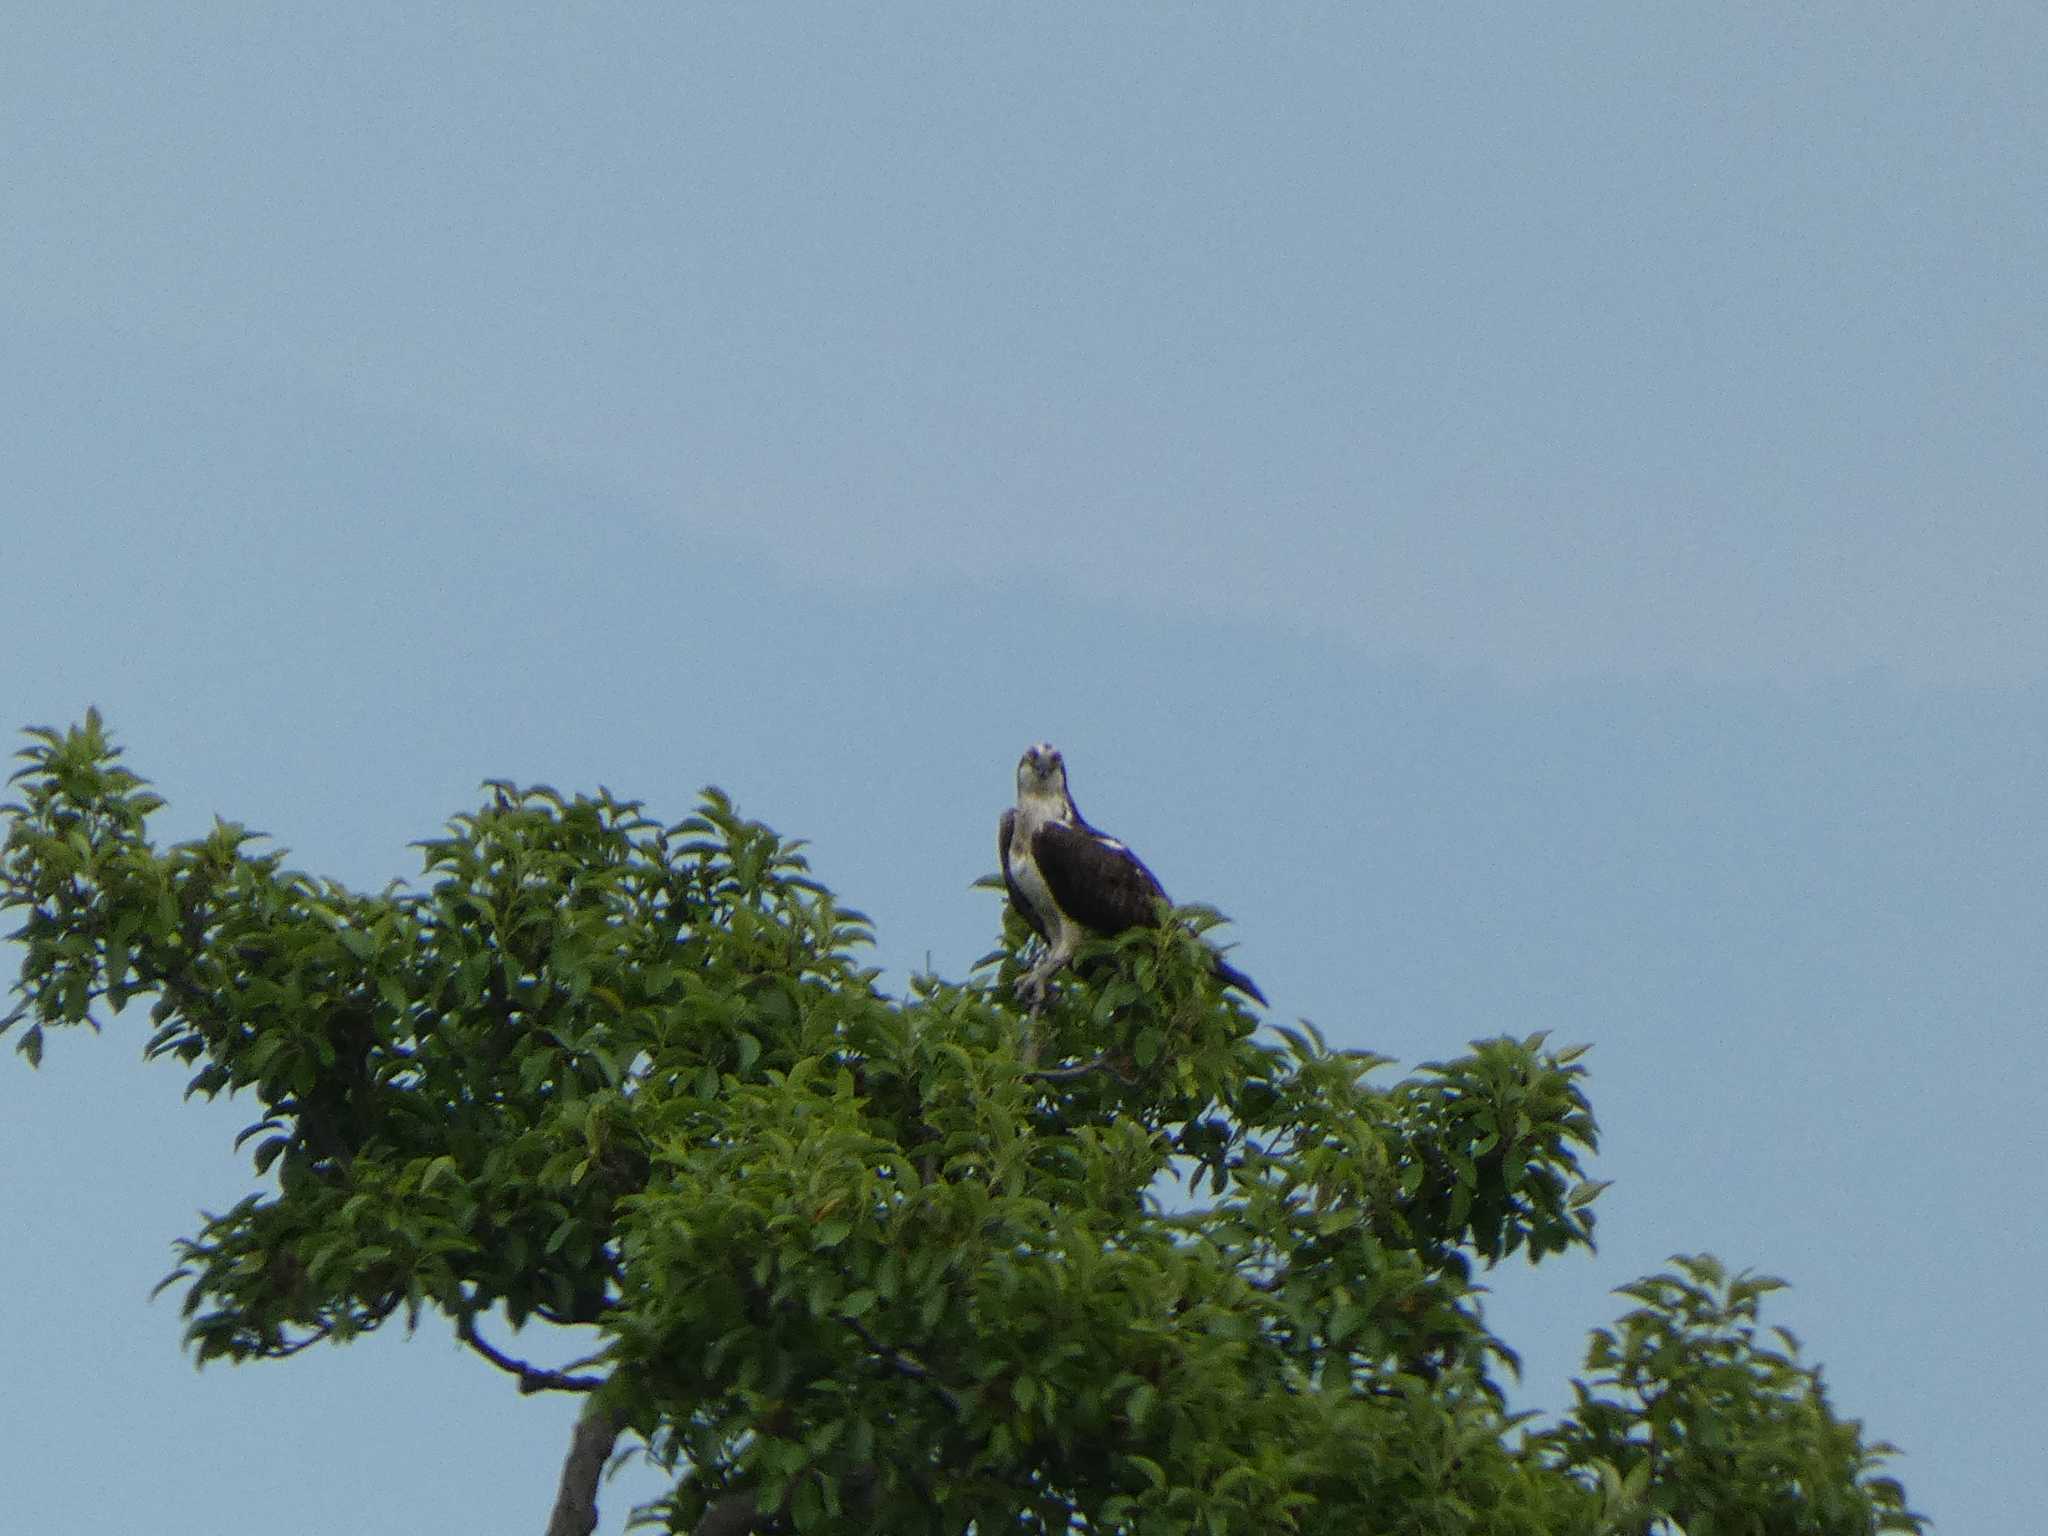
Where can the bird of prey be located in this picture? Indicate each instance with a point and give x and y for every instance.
(1067, 880)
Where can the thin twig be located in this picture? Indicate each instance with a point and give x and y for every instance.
(1078, 1070)
(286, 1351)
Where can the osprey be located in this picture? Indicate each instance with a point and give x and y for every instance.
(1067, 880)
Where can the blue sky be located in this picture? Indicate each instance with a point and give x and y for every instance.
(1542, 519)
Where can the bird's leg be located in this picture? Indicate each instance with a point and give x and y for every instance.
(1032, 985)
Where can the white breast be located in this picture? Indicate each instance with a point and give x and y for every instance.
(1025, 872)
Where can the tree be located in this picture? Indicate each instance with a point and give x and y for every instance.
(857, 1263)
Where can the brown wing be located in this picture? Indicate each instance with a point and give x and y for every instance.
(1096, 880)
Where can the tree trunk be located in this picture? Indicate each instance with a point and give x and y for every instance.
(589, 1449)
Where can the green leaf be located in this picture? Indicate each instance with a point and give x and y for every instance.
(1139, 1405)
(858, 1303)
(806, 1505)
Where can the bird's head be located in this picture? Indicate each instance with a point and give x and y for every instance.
(1042, 780)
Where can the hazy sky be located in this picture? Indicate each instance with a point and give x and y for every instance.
(1543, 518)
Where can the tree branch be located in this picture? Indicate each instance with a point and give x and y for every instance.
(590, 1447)
(739, 1513)
(532, 1378)
(734, 1515)
(903, 1365)
(1080, 1069)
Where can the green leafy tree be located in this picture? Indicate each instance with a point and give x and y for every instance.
(861, 1262)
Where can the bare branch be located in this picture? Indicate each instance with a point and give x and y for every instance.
(590, 1447)
(532, 1378)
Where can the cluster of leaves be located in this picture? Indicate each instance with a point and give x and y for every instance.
(862, 1262)
(1713, 1430)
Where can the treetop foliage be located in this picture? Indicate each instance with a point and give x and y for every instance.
(858, 1262)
